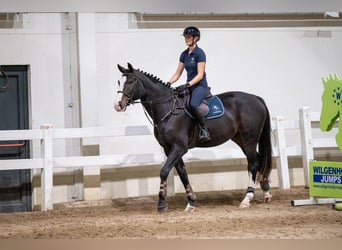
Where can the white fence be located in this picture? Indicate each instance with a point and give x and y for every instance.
(308, 121)
(47, 161)
(309, 142)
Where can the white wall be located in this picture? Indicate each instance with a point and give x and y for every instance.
(282, 65)
(39, 45)
(44, 44)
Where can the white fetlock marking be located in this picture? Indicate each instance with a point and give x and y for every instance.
(189, 208)
(245, 203)
(267, 197)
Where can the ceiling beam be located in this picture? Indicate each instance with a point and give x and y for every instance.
(174, 6)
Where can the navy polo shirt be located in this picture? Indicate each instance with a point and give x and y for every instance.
(190, 63)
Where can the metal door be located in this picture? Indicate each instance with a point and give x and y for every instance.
(15, 185)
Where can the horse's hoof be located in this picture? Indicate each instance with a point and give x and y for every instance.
(244, 205)
(189, 208)
(267, 199)
(163, 209)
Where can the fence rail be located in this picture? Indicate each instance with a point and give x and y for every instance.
(47, 161)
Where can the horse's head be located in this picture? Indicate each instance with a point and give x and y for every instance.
(331, 102)
(129, 88)
(136, 84)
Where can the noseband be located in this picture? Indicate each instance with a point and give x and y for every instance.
(129, 99)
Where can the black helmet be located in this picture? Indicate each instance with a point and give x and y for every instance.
(192, 31)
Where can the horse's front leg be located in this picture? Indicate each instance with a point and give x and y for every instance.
(173, 157)
(180, 167)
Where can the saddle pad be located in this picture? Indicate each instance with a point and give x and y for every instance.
(216, 108)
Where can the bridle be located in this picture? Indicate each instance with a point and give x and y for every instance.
(172, 111)
(162, 99)
(129, 99)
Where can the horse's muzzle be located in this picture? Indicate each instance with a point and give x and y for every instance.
(118, 107)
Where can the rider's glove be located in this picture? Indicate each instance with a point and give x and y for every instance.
(183, 88)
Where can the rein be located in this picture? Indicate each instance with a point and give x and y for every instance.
(172, 111)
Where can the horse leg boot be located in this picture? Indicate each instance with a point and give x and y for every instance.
(204, 133)
(190, 207)
(249, 196)
(162, 204)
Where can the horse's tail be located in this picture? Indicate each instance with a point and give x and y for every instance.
(265, 147)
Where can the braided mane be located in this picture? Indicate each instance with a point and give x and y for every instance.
(154, 78)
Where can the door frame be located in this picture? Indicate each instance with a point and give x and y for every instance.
(22, 72)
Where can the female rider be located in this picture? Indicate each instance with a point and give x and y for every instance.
(193, 60)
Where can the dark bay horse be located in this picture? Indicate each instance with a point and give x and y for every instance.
(246, 121)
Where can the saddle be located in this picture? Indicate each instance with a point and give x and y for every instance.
(210, 108)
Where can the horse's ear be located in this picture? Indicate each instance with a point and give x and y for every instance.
(122, 69)
(130, 67)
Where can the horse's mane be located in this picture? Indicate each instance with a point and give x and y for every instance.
(154, 78)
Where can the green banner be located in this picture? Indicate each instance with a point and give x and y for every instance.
(325, 179)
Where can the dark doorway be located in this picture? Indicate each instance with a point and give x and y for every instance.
(15, 185)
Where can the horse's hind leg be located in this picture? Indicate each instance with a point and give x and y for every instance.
(180, 167)
(253, 165)
(249, 196)
(265, 186)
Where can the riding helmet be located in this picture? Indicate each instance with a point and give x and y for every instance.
(192, 31)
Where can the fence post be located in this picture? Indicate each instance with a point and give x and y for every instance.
(282, 163)
(47, 171)
(306, 139)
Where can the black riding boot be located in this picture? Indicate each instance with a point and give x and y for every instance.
(204, 133)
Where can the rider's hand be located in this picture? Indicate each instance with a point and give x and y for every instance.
(183, 88)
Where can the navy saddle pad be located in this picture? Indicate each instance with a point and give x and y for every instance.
(211, 108)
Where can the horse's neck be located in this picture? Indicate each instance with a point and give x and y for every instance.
(157, 101)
